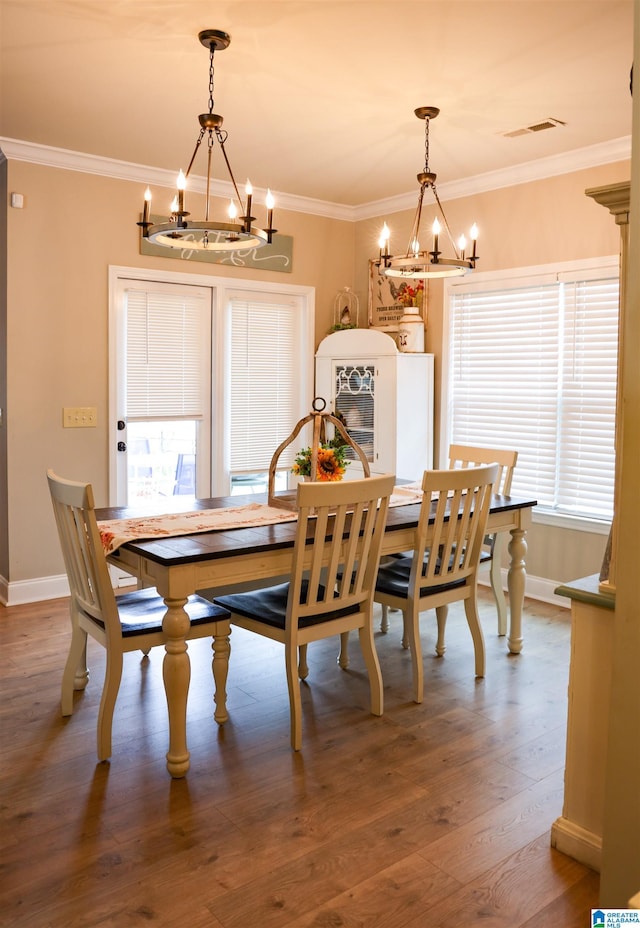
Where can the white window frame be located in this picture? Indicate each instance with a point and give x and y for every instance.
(496, 280)
(223, 288)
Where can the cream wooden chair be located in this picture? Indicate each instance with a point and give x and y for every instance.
(467, 456)
(443, 564)
(130, 622)
(461, 456)
(335, 560)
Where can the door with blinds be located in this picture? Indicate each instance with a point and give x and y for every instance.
(163, 402)
(269, 375)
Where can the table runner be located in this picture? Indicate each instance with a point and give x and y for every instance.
(116, 532)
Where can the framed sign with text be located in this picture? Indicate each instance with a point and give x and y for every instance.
(275, 257)
(389, 298)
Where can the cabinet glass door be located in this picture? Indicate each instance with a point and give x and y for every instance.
(355, 403)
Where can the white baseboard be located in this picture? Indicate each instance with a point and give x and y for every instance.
(33, 591)
(577, 842)
(538, 588)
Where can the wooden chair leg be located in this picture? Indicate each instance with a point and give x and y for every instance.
(441, 618)
(221, 648)
(373, 670)
(406, 632)
(411, 620)
(112, 677)
(303, 667)
(75, 675)
(343, 656)
(384, 620)
(495, 577)
(471, 612)
(295, 702)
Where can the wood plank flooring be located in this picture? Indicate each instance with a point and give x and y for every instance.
(433, 815)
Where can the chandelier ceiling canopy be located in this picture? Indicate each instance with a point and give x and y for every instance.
(416, 263)
(180, 230)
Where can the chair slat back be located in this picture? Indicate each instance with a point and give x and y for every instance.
(343, 524)
(84, 560)
(462, 456)
(448, 548)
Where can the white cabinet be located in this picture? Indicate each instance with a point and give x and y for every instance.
(385, 397)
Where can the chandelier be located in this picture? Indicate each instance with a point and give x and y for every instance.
(180, 231)
(416, 263)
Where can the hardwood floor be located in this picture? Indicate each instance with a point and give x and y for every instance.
(433, 815)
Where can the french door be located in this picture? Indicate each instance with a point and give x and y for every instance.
(163, 391)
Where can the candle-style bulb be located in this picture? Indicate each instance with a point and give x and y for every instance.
(269, 200)
(435, 228)
(147, 203)
(174, 206)
(383, 241)
(474, 239)
(462, 244)
(181, 185)
(232, 211)
(415, 247)
(248, 189)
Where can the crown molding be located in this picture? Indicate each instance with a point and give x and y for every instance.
(565, 163)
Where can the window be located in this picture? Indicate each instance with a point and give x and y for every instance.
(265, 380)
(532, 365)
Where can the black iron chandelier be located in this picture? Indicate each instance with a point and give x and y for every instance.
(180, 231)
(416, 263)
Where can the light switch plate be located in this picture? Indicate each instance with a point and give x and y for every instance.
(79, 417)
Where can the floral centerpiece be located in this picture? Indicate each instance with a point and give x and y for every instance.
(332, 461)
(411, 296)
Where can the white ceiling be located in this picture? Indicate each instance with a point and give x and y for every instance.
(318, 95)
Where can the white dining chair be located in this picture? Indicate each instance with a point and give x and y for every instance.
(443, 564)
(336, 554)
(129, 622)
(469, 456)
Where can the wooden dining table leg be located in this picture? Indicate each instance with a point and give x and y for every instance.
(516, 579)
(176, 672)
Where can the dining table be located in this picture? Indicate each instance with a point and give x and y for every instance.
(244, 553)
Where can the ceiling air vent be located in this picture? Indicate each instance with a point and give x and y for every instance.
(549, 123)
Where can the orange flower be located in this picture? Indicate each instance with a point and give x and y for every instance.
(329, 468)
(331, 462)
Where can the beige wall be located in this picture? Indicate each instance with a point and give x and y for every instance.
(73, 226)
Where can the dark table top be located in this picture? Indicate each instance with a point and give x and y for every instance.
(181, 549)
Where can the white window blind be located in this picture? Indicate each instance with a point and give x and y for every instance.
(168, 349)
(534, 368)
(265, 381)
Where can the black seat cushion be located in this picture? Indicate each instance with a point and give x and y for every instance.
(393, 579)
(142, 612)
(269, 606)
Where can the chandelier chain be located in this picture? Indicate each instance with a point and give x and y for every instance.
(211, 50)
(426, 144)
